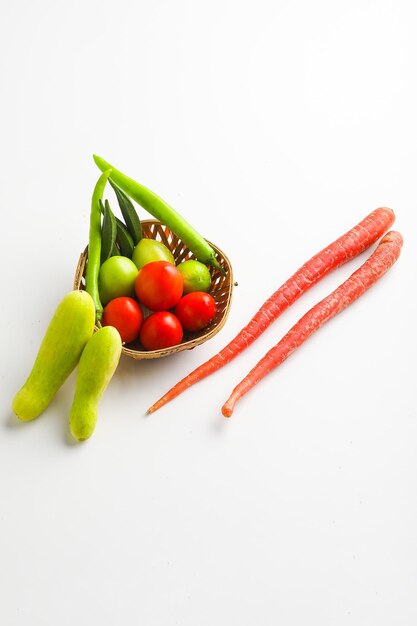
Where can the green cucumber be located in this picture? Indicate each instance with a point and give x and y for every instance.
(130, 216)
(97, 365)
(66, 336)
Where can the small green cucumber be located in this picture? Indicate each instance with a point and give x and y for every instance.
(66, 336)
(108, 231)
(97, 365)
(130, 216)
(124, 239)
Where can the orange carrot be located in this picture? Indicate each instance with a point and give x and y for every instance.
(355, 241)
(376, 266)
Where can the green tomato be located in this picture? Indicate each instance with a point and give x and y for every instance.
(148, 250)
(196, 276)
(116, 278)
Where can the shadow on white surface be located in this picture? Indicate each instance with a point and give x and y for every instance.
(14, 423)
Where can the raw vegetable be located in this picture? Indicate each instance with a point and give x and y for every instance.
(124, 239)
(129, 213)
(117, 278)
(196, 276)
(334, 255)
(125, 315)
(163, 212)
(149, 250)
(68, 332)
(94, 244)
(97, 365)
(195, 310)
(108, 232)
(161, 330)
(376, 266)
(159, 285)
(115, 250)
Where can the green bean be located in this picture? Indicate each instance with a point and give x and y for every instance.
(108, 232)
(163, 212)
(94, 245)
(124, 239)
(130, 216)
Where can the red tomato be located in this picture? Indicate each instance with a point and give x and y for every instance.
(160, 330)
(196, 310)
(159, 285)
(125, 315)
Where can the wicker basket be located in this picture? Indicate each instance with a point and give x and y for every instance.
(221, 290)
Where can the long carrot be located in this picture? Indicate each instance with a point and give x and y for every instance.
(376, 266)
(352, 243)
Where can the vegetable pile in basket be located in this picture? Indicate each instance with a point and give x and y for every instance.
(131, 276)
(134, 292)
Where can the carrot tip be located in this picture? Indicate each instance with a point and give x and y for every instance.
(227, 411)
(157, 405)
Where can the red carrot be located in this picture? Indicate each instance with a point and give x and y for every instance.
(340, 251)
(376, 266)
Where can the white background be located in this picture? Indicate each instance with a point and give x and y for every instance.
(273, 127)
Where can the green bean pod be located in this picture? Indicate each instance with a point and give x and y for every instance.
(108, 232)
(129, 214)
(124, 239)
(94, 245)
(164, 213)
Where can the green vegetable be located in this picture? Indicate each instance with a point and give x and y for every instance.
(124, 239)
(97, 365)
(129, 213)
(94, 244)
(149, 250)
(68, 332)
(115, 250)
(196, 276)
(116, 278)
(108, 232)
(163, 212)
